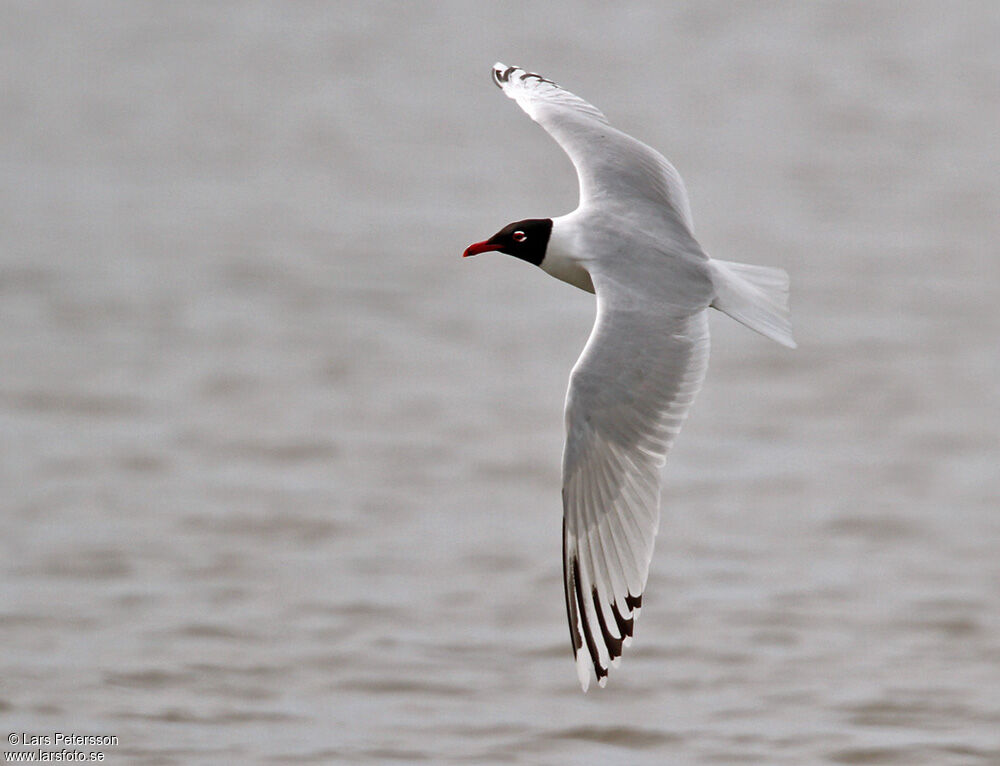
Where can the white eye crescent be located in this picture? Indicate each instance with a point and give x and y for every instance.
(519, 236)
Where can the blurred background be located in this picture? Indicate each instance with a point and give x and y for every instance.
(280, 472)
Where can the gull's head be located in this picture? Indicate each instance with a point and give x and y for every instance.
(526, 240)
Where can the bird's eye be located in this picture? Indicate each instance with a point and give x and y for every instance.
(519, 236)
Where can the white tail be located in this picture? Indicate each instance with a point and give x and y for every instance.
(757, 296)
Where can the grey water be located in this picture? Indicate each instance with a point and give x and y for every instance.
(280, 471)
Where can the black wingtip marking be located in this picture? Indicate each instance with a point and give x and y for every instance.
(633, 602)
(569, 581)
(501, 77)
(614, 644)
(588, 636)
(537, 77)
(625, 627)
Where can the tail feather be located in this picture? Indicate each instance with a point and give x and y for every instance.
(756, 296)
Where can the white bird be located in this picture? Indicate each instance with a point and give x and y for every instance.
(630, 241)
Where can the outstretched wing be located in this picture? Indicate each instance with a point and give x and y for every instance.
(628, 395)
(611, 165)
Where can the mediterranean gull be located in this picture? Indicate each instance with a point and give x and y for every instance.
(631, 243)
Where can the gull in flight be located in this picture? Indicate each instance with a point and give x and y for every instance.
(631, 242)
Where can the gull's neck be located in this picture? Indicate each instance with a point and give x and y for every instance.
(563, 258)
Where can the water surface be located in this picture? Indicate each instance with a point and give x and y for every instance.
(280, 476)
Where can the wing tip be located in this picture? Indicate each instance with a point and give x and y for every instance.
(587, 640)
(583, 671)
(501, 73)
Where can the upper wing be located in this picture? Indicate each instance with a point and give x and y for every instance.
(628, 395)
(611, 165)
